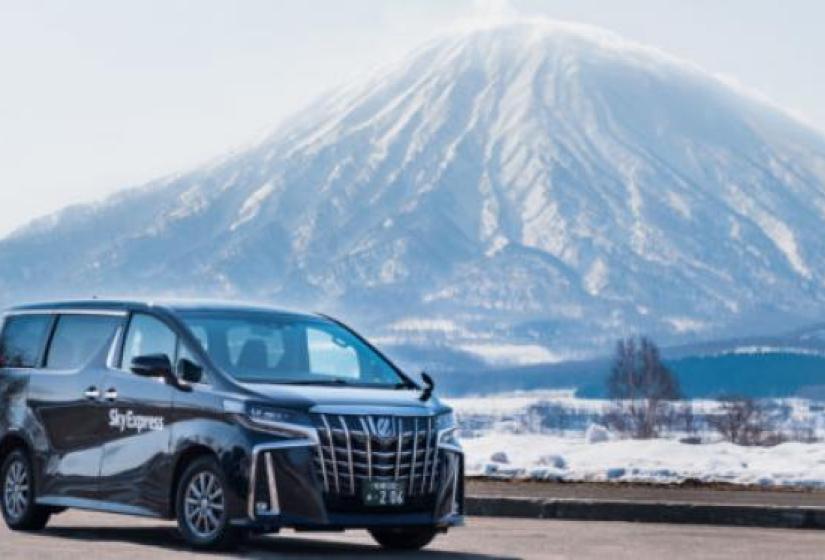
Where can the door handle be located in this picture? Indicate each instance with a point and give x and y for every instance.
(111, 395)
(92, 393)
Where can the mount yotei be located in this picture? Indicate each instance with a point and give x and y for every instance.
(526, 192)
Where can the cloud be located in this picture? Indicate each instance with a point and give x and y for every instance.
(494, 11)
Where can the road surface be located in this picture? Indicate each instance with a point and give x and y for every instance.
(85, 536)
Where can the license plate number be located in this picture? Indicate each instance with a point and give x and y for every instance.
(379, 493)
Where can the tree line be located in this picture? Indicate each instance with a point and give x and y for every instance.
(647, 402)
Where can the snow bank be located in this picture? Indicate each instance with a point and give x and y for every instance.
(518, 402)
(660, 461)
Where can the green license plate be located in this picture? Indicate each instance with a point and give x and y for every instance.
(383, 493)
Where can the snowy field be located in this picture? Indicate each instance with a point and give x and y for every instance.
(659, 461)
(507, 447)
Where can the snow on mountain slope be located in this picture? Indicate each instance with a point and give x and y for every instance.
(532, 183)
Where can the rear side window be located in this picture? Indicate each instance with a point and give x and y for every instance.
(22, 339)
(78, 338)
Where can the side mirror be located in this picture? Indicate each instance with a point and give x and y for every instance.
(189, 371)
(152, 365)
(429, 385)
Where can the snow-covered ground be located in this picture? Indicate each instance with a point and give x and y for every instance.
(502, 438)
(518, 401)
(661, 461)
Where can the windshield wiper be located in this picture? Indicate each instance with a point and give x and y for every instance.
(335, 381)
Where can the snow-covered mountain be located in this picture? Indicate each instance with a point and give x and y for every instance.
(522, 192)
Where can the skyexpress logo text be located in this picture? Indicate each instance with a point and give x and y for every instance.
(130, 421)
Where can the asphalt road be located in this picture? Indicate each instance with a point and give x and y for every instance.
(84, 536)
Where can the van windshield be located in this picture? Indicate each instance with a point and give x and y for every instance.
(260, 347)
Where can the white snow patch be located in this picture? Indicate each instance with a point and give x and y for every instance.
(684, 325)
(596, 278)
(252, 205)
(596, 434)
(506, 404)
(650, 461)
(780, 234)
(522, 354)
(499, 242)
(192, 201)
(679, 204)
(740, 350)
(784, 239)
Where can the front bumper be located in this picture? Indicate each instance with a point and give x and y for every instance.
(286, 490)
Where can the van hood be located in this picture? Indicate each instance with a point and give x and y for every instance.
(347, 400)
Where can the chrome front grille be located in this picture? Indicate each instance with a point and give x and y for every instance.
(353, 448)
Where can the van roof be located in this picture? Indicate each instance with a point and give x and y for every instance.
(138, 304)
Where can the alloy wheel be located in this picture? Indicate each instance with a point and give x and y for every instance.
(16, 490)
(204, 505)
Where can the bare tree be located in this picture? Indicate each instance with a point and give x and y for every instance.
(548, 416)
(803, 433)
(641, 387)
(686, 418)
(744, 421)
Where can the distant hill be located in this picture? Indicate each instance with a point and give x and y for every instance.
(782, 366)
(755, 375)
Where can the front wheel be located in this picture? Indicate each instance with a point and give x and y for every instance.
(404, 538)
(201, 506)
(20, 511)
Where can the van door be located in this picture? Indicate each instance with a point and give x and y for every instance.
(137, 465)
(64, 397)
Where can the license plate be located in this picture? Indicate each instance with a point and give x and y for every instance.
(381, 493)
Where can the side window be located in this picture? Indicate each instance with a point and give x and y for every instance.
(22, 339)
(146, 336)
(330, 356)
(78, 338)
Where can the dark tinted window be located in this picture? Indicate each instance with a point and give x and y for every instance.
(146, 336)
(271, 340)
(22, 339)
(77, 338)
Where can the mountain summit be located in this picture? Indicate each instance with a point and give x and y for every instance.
(533, 184)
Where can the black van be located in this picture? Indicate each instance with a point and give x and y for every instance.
(227, 418)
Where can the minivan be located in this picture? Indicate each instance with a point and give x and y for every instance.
(227, 418)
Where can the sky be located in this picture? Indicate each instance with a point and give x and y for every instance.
(97, 95)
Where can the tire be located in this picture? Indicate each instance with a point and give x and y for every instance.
(201, 507)
(404, 538)
(17, 501)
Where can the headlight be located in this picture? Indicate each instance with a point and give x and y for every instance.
(282, 421)
(270, 415)
(446, 425)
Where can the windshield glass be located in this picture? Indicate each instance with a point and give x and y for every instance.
(270, 348)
